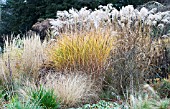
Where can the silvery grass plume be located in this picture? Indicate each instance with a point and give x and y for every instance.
(107, 15)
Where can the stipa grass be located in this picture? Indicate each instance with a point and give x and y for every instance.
(86, 51)
(72, 88)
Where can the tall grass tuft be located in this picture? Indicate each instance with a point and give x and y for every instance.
(83, 51)
(23, 56)
(134, 59)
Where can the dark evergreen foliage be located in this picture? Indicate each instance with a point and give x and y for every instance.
(18, 16)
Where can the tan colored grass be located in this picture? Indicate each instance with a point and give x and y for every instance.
(72, 88)
(166, 41)
(23, 56)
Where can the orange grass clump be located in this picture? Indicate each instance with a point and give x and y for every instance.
(82, 51)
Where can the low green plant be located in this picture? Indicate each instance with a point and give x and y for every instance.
(140, 102)
(164, 104)
(147, 99)
(46, 98)
(109, 93)
(102, 105)
(1, 97)
(148, 103)
(8, 90)
(15, 103)
(164, 89)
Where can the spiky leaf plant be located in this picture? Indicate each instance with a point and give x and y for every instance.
(45, 98)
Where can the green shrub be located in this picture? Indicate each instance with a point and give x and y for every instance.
(46, 98)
